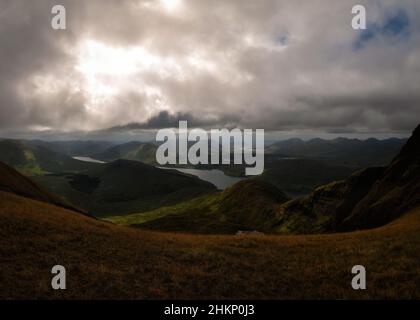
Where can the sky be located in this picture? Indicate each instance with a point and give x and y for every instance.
(284, 66)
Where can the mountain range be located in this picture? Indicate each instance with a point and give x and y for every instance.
(295, 166)
(369, 198)
(342, 151)
(128, 191)
(107, 261)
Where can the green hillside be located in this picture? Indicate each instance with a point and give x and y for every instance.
(14, 182)
(325, 209)
(139, 151)
(247, 206)
(124, 186)
(36, 159)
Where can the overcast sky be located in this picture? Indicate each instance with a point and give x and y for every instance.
(273, 64)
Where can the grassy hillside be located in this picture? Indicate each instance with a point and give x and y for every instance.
(113, 262)
(124, 186)
(12, 181)
(139, 151)
(249, 205)
(16, 154)
(246, 206)
(37, 159)
(325, 209)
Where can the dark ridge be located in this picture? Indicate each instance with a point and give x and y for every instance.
(396, 191)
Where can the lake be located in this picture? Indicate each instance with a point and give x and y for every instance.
(214, 176)
(88, 159)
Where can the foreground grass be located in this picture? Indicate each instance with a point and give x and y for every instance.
(108, 261)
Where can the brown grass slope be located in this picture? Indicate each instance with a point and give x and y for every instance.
(107, 261)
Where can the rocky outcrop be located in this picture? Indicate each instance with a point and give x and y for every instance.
(396, 191)
(369, 198)
(328, 206)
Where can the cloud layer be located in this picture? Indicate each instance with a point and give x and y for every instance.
(281, 65)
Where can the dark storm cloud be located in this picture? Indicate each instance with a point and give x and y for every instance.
(280, 65)
(166, 120)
